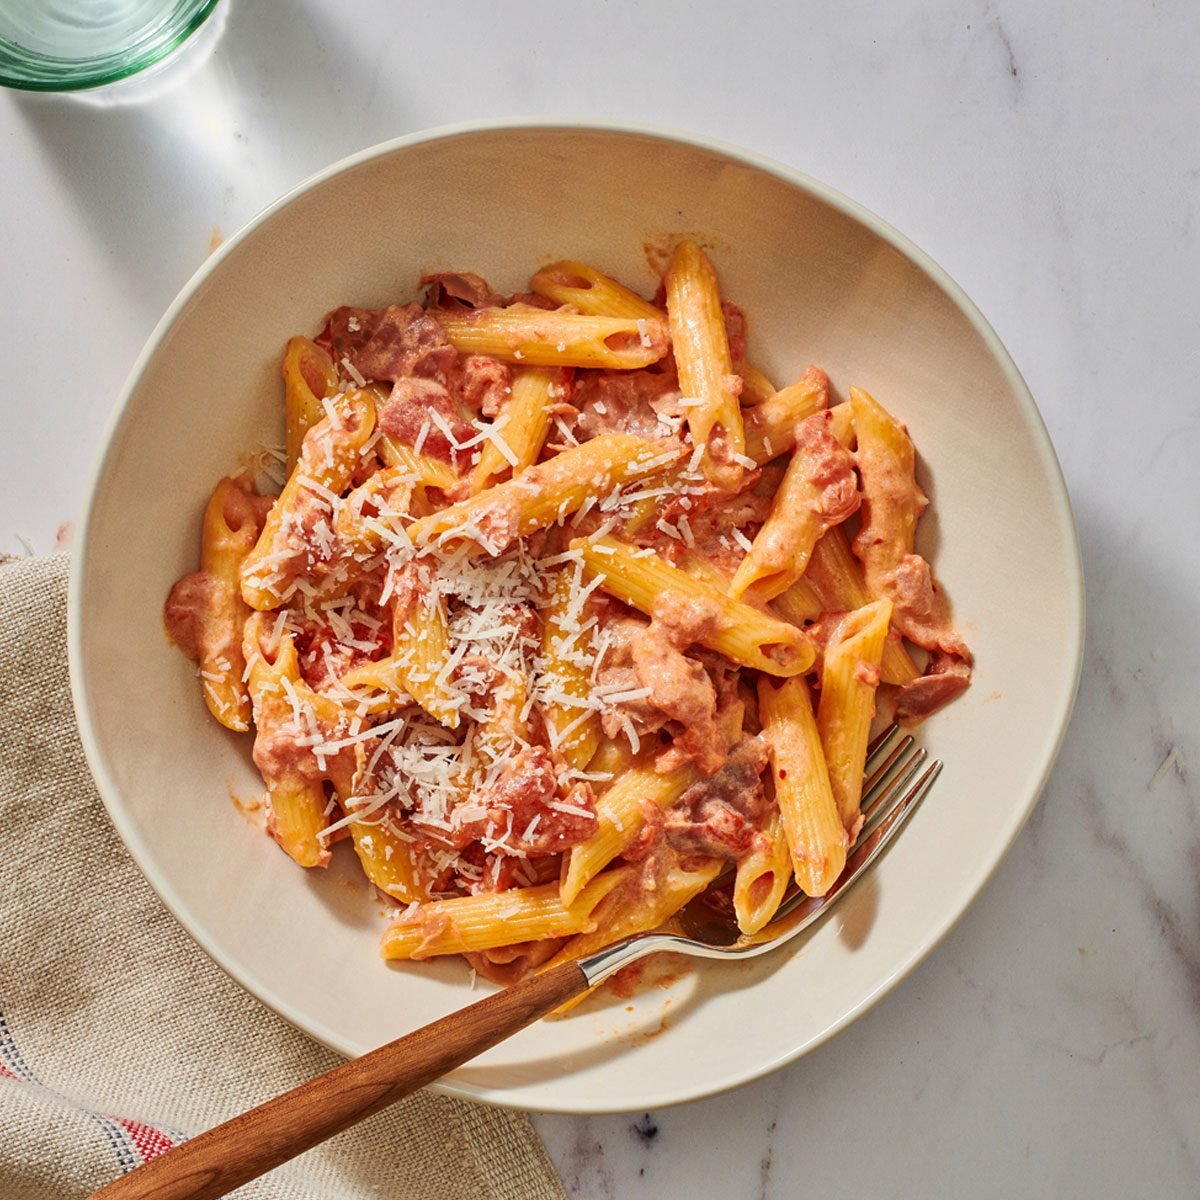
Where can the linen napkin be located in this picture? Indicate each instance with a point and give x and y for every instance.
(118, 1037)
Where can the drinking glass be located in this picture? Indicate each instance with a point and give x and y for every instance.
(65, 45)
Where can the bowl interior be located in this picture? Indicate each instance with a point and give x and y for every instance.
(821, 282)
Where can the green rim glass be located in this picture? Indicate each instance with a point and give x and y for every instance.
(35, 71)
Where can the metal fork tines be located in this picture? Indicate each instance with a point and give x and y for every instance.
(892, 761)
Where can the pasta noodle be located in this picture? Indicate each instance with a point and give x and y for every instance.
(620, 815)
(762, 877)
(471, 923)
(849, 677)
(819, 490)
(747, 635)
(536, 337)
(630, 910)
(326, 466)
(770, 427)
(541, 495)
(702, 354)
(420, 652)
(205, 612)
(808, 811)
(296, 791)
(756, 387)
(526, 417)
(572, 724)
(834, 580)
(308, 378)
(590, 291)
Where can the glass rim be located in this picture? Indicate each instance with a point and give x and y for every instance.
(50, 73)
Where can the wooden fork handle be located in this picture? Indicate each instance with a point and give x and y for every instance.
(225, 1157)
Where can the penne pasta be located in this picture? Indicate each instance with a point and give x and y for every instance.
(613, 758)
(892, 506)
(297, 819)
(205, 612)
(816, 836)
(537, 337)
(520, 431)
(631, 909)
(309, 377)
(369, 519)
(327, 462)
(770, 427)
(756, 387)
(589, 291)
(505, 722)
(387, 859)
(799, 603)
(819, 490)
(834, 578)
(385, 855)
(702, 357)
(541, 495)
(467, 924)
(296, 790)
(572, 721)
(885, 447)
(849, 677)
(762, 877)
(232, 523)
(428, 470)
(417, 666)
(841, 425)
(700, 567)
(620, 816)
(746, 635)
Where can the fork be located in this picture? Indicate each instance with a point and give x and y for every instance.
(230, 1154)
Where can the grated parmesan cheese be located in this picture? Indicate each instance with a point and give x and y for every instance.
(353, 372)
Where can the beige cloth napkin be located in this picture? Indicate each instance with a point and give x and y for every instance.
(118, 1037)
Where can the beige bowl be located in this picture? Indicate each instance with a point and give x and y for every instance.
(823, 281)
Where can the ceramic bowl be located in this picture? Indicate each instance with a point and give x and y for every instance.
(823, 281)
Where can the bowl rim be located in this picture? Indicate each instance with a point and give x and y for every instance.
(1048, 461)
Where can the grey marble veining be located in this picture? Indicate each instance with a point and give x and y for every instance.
(1049, 158)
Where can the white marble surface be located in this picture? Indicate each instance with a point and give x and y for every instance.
(1049, 157)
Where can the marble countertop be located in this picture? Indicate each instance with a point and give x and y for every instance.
(1048, 157)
